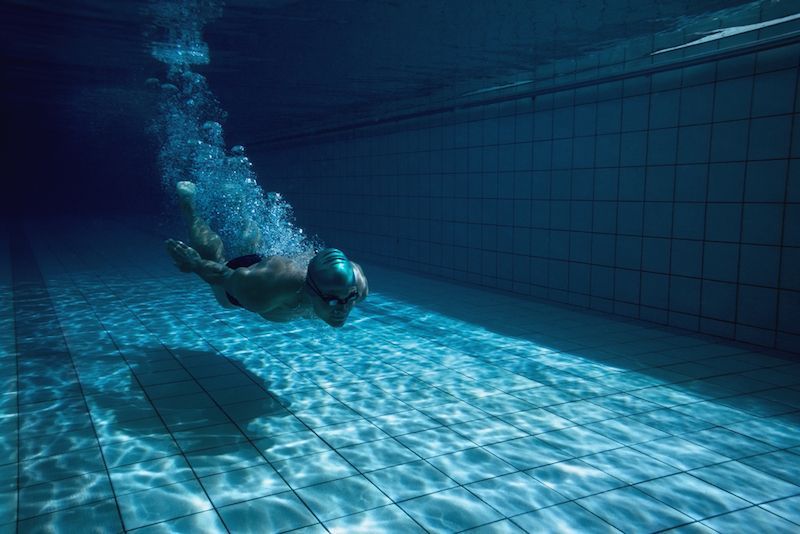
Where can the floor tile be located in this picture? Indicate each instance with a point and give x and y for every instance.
(629, 465)
(112, 432)
(271, 425)
(67, 465)
(788, 508)
(470, 465)
(713, 412)
(680, 453)
(8, 506)
(692, 496)
(141, 476)
(139, 450)
(515, 494)
(350, 433)
(450, 510)
(207, 522)
(487, 431)
(527, 453)
(691, 528)
(746, 482)
(275, 513)
(630, 510)
(502, 403)
(217, 460)
(537, 421)
(626, 431)
(772, 431)
(504, 526)
(435, 442)
(404, 422)
(55, 444)
(582, 412)
(389, 518)
(291, 445)
(454, 412)
(162, 504)
(575, 479)
(243, 484)
(86, 518)
(410, 480)
(672, 421)
(567, 518)
(208, 437)
(756, 519)
(781, 464)
(327, 414)
(61, 494)
(314, 469)
(345, 496)
(728, 443)
(377, 454)
(625, 403)
(578, 441)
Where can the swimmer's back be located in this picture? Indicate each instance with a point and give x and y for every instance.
(266, 285)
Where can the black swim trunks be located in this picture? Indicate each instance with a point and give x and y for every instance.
(241, 261)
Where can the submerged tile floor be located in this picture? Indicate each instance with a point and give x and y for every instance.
(131, 401)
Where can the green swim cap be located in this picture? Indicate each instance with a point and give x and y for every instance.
(331, 264)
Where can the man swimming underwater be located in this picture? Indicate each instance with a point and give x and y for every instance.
(273, 287)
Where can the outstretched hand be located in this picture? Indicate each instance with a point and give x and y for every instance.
(185, 257)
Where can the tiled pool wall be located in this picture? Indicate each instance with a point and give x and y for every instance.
(670, 196)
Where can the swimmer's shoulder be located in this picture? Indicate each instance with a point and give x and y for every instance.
(278, 269)
(265, 285)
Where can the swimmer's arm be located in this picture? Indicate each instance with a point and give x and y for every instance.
(188, 260)
(260, 289)
(361, 282)
(213, 272)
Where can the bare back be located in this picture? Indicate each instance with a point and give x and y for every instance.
(270, 287)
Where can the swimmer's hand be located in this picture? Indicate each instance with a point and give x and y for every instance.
(185, 257)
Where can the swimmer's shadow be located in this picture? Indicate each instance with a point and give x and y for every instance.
(201, 400)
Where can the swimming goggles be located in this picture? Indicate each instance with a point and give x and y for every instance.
(332, 300)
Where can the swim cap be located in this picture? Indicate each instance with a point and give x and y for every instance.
(331, 264)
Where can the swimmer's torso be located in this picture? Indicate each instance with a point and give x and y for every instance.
(273, 288)
(287, 313)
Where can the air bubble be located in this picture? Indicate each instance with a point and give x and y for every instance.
(190, 128)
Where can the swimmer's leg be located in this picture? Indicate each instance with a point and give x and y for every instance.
(202, 238)
(252, 236)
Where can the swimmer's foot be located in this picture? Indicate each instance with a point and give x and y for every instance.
(186, 188)
(185, 257)
(186, 192)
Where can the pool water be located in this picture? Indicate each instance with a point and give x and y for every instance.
(133, 402)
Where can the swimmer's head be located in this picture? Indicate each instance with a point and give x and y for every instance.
(331, 284)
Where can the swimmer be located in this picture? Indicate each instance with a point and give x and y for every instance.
(274, 287)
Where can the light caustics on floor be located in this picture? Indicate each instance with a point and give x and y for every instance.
(134, 402)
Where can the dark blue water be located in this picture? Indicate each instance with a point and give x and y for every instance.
(77, 109)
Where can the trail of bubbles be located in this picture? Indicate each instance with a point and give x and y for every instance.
(189, 128)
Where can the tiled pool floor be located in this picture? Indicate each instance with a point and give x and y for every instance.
(131, 401)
